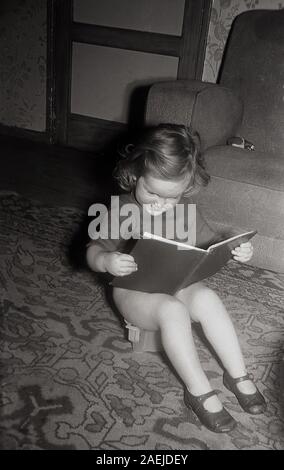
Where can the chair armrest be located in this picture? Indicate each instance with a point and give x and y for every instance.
(212, 110)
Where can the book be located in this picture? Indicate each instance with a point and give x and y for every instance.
(166, 266)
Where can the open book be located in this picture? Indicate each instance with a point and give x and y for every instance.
(166, 266)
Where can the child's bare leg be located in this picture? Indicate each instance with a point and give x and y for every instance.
(164, 312)
(206, 307)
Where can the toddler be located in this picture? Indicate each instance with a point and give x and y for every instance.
(162, 170)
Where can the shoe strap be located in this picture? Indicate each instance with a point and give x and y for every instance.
(203, 398)
(243, 378)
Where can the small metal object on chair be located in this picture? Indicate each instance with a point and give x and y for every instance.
(143, 340)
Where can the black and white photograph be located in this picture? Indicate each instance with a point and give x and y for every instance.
(142, 228)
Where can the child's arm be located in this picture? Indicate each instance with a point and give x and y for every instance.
(118, 264)
(243, 253)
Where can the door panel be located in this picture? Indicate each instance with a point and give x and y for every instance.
(156, 16)
(104, 79)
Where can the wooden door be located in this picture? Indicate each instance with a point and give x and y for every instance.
(107, 54)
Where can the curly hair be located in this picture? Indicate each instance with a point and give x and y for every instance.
(167, 151)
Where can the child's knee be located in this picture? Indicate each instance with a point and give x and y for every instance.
(172, 310)
(203, 294)
(206, 305)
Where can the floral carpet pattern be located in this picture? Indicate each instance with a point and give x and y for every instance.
(69, 378)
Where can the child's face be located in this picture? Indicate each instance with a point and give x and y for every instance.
(159, 195)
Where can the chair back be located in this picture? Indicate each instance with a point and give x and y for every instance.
(253, 66)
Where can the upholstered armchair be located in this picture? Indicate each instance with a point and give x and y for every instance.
(247, 186)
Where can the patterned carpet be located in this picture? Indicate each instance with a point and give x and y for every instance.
(69, 379)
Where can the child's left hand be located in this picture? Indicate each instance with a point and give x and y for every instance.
(243, 253)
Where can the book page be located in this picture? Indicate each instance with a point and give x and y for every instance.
(179, 245)
(243, 237)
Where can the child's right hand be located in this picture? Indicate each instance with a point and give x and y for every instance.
(119, 264)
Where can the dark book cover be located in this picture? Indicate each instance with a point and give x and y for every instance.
(166, 266)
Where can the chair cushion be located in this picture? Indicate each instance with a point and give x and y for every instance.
(246, 190)
(252, 167)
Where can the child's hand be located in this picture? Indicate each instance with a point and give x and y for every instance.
(119, 264)
(243, 253)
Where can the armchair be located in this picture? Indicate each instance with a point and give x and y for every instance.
(247, 187)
